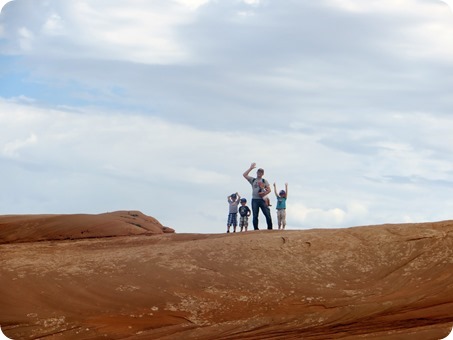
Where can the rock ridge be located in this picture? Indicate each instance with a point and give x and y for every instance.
(392, 281)
(34, 228)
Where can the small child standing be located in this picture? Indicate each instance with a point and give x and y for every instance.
(233, 201)
(281, 206)
(244, 212)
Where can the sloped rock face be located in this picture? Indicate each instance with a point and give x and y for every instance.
(376, 282)
(32, 228)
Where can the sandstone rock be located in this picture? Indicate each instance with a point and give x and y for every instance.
(30, 228)
(374, 282)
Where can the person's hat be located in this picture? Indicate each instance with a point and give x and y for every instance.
(243, 200)
(282, 193)
(233, 195)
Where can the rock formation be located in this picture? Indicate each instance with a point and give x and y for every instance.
(33, 228)
(373, 282)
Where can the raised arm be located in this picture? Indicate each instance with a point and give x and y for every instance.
(286, 189)
(275, 190)
(247, 172)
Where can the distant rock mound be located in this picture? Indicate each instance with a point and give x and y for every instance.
(33, 228)
(377, 282)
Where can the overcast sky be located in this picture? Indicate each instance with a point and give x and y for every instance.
(160, 106)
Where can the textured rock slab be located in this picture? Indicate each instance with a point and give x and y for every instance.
(377, 282)
(32, 228)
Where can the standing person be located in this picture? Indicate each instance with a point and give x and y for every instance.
(260, 188)
(233, 201)
(244, 213)
(281, 206)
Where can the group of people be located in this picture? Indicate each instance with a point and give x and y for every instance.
(260, 201)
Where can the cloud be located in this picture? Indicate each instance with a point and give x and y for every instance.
(118, 30)
(310, 217)
(298, 58)
(12, 148)
(267, 42)
(3, 3)
(449, 3)
(56, 159)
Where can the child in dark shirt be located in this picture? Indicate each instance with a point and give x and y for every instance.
(244, 212)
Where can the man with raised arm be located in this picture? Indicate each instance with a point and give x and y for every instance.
(260, 188)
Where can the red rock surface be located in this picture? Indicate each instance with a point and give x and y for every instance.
(32, 228)
(375, 282)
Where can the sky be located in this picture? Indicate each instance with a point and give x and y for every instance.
(160, 106)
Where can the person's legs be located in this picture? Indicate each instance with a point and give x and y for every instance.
(283, 218)
(267, 213)
(228, 223)
(260, 203)
(255, 211)
(279, 218)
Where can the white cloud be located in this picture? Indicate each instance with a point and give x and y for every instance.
(3, 3)
(449, 3)
(126, 161)
(135, 31)
(140, 161)
(192, 4)
(385, 6)
(54, 25)
(26, 38)
(157, 32)
(311, 217)
(11, 149)
(252, 2)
